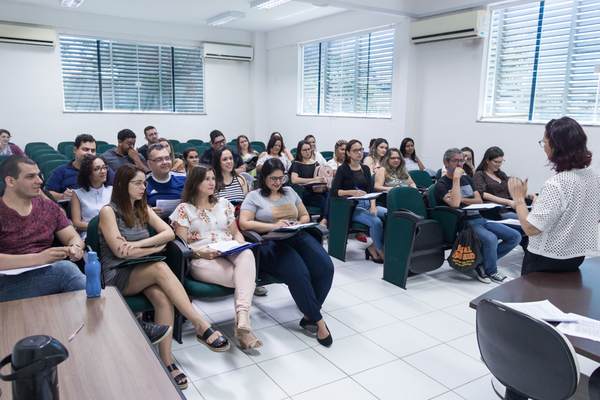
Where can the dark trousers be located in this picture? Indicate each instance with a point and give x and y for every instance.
(304, 265)
(320, 200)
(535, 263)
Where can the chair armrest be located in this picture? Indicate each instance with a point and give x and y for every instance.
(254, 237)
(346, 200)
(456, 211)
(178, 252)
(407, 214)
(318, 232)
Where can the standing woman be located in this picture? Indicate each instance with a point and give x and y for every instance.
(93, 194)
(339, 155)
(275, 150)
(178, 164)
(229, 184)
(244, 149)
(203, 219)
(469, 165)
(303, 171)
(354, 179)
(8, 149)
(392, 173)
(300, 259)
(191, 158)
(122, 227)
(563, 223)
(376, 153)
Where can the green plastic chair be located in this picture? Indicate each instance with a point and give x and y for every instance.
(312, 210)
(201, 149)
(41, 160)
(328, 155)
(4, 157)
(196, 142)
(174, 142)
(103, 148)
(341, 225)
(49, 166)
(33, 145)
(258, 146)
(293, 151)
(68, 152)
(39, 148)
(421, 178)
(414, 242)
(99, 142)
(450, 218)
(182, 146)
(61, 146)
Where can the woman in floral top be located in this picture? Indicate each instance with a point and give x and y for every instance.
(203, 219)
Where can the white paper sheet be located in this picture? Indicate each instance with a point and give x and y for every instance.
(482, 206)
(543, 310)
(367, 196)
(168, 206)
(294, 227)
(584, 327)
(508, 221)
(19, 271)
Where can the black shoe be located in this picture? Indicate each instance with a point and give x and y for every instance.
(375, 260)
(327, 341)
(156, 333)
(309, 325)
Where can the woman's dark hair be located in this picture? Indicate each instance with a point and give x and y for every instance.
(280, 137)
(270, 166)
(568, 142)
(239, 149)
(272, 143)
(488, 156)
(375, 145)
(216, 165)
(413, 156)
(299, 150)
(466, 166)
(195, 177)
(186, 153)
(348, 148)
(120, 196)
(85, 171)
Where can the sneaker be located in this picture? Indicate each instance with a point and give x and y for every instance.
(481, 275)
(156, 333)
(499, 277)
(260, 291)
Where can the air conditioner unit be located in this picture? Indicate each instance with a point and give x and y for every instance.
(227, 51)
(472, 24)
(27, 35)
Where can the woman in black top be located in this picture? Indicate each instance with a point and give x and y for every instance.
(354, 179)
(303, 171)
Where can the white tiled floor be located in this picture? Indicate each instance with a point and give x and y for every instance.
(389, 343)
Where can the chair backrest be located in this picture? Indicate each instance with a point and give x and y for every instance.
(102, 148)
(438, 174)
(182, 146)
(258, 146)
(431, 197)
(34, 145)
(39, 150)
(61, 146)
(68, 152)
(526, 354)
(407, 198)
(50, 166)
(4, 157)
(196, 142)
(174, 142)
(421, 178)
(293, 151)
(99, 142)
(42, 159)
(328, 155)
(201, 149)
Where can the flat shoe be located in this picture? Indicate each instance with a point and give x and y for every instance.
(327, 341)
(219, 344)
(179, 378)
(309, 325)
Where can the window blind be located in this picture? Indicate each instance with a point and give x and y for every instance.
(104, 75)
(349, 76)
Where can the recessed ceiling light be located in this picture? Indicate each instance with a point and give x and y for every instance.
(71, 3)
(226, 18)
(266, 4)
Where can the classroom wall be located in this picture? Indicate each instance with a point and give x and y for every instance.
(31, 104)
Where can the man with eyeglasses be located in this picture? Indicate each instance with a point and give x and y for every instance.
(163, 184)
(63, 180)
(456, 189)
(125, 152)
(151, 136)
(217, 139)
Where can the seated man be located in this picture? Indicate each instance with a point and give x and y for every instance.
(125, 152)
(457, 189)
(63, 180)
(27, 229)
(163, 184)
(217, 139)
(151, 136)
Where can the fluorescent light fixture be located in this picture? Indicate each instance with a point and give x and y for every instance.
(71, 3)
(225, 18)
(266, 4)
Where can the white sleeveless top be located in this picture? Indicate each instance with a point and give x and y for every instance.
(91, 202)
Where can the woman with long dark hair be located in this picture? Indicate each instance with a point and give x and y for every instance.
(229, 184)
(191, 158)
(275, 149)
(563, 223)
(245, 150)
(469, 165)
(122, 227)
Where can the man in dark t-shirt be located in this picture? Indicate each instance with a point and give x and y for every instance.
(217, 139)
(457, 190)
(27, 229)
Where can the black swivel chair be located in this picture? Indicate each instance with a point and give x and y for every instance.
(530, 357)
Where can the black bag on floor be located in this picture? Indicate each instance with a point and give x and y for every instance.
(466, 252)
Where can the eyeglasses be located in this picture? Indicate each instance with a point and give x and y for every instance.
(139, 183)
(457, 161)
(394, 158)
(221, 142)
(274, 179)
(160, 160)
(498, 162)
(542, 144)
(306, 150)
(356, 151)
(102, 168)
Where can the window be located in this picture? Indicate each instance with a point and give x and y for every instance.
(349, 76)
(541, 62)
(104, 75)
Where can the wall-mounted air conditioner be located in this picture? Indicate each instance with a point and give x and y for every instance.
(227, 52)
(472, 24)
(27, 35)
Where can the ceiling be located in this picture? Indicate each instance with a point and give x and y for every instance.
(196, 12)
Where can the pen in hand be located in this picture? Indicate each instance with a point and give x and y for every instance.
(76, 332)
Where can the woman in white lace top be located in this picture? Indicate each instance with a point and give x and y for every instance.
(563, 223)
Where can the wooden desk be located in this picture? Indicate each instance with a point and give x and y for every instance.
(110, 358)
(577, 292)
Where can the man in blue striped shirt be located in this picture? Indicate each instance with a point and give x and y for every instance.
(163, 184)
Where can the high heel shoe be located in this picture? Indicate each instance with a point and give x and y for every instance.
(375, 260)
(252, 344)
(361, 238)
(326, 341)
(243, 328)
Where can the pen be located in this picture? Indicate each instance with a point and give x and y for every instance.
(76, 332)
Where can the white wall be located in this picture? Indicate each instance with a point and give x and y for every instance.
(30, 78)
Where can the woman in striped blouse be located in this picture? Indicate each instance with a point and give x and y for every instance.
(229, 184)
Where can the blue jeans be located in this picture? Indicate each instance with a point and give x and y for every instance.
(375, 223)
(320, 200)
(305, 267)
(60, 277)
(489, 233)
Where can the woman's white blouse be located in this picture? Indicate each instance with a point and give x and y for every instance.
(283, 158)
(567, 212)
(91, 202)
(410, 164)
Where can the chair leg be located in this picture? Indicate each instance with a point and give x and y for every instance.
(594, 385)
(506, 393)
(178, 327)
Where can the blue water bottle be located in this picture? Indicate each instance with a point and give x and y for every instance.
(92, 275)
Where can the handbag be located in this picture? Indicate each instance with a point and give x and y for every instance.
(466, 252)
